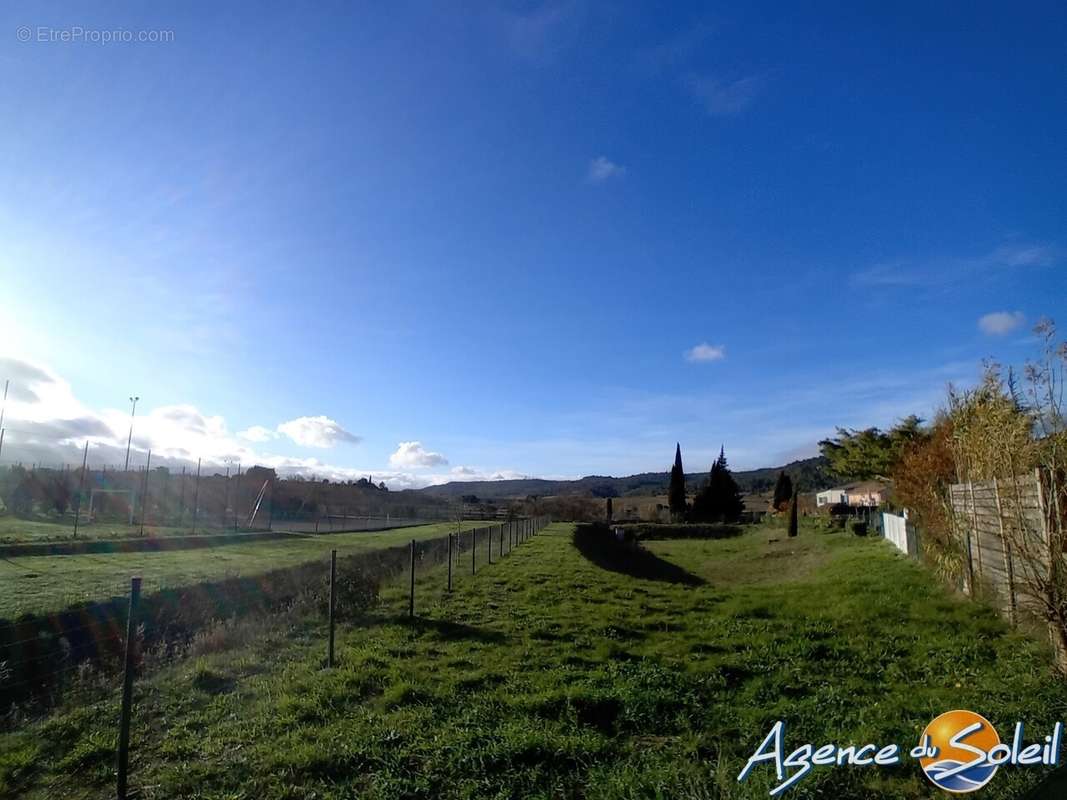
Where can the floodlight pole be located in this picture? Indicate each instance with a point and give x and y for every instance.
(129, 440)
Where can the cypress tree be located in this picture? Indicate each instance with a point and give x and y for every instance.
(676, 491)
(783, 491)
(794, 526)
(720, 498)
(609, 510)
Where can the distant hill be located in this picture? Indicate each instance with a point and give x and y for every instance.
(808, 474)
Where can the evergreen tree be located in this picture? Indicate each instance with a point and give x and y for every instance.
(720, 498)
(793, 523)
(676, 492)
(783, 491)
(609, 510)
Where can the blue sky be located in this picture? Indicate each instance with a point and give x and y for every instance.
(500, 234)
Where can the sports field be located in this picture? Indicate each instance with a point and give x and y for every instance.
(50, 583)
(569, 670)
(18, 530)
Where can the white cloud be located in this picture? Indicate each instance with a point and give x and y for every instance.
(676, 50)
(602, 169)
(706, 352)
(998, 323)
(724, 98)
(1024, 255)
(257, 433)
(414, 455)
(943, 271)
(542, 30)
(46, 424)
(320, 431)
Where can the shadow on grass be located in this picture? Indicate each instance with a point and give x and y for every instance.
(648, 532)
(598, 544)
(448, 630)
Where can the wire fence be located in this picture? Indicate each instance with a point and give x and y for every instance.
(66, 501)
(42, 655)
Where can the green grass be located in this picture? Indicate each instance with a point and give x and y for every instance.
(557, 673)
(18, 530)
(50, 583)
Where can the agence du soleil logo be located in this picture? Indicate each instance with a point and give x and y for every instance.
(959, 751)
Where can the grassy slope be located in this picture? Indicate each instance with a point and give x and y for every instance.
(50, 583)
(549, 675)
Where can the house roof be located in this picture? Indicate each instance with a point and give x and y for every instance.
(859, 486)
(867, 486)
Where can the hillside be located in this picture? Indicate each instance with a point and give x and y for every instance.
(808, 474)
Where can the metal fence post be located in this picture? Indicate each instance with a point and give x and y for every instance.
(489, 545)
(333, 603)
(411, 600)
(144, 491)
(450, 562)
(81, 489)
(196, 496)
(474, 551)
(127, 689)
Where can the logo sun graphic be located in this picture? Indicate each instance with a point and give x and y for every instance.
(962, 739)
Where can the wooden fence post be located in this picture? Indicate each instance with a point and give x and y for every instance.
(1008, 560)
(977, 533)
(1055, 554)
(411, 600)
(127, 688)
(333, 602)
(474, 551)
(450, 563)
(489, 544)
(970, 563)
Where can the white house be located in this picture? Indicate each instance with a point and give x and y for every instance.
(864, 493)
(830, 497)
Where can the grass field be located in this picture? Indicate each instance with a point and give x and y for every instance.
(568, 672)
(50, 583)
(16, 529)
